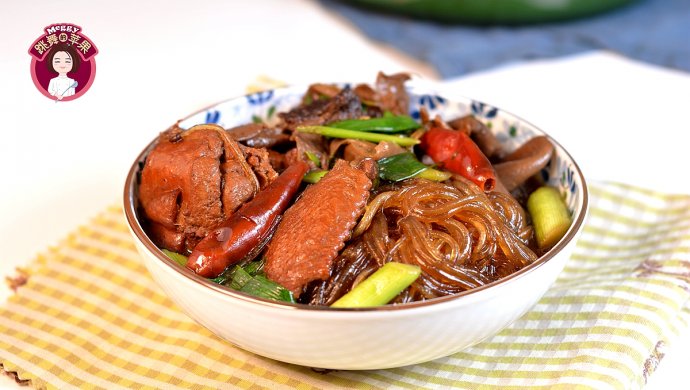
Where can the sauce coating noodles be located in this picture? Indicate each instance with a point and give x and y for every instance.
(461, 237)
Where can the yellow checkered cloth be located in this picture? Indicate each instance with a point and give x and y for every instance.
(90, 316)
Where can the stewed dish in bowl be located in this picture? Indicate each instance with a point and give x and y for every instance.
(354, 226)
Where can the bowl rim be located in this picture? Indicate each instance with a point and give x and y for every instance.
(138, 231)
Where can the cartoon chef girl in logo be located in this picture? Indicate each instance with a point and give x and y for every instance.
(62, 59)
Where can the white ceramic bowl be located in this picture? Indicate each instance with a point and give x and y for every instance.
(355, 339)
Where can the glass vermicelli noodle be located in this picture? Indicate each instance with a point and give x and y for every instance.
(461, 238)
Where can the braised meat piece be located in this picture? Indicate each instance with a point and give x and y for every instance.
(355, 150)
(259, 135)
(260, 162)
(315, 228)
(310, 148)
(392, 95)
(194, 180)
(388, 94)
(480, 133)
(320, 91)
(344, 105)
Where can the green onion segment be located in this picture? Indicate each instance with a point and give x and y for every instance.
(381, 286)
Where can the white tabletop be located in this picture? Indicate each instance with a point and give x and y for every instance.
(62, 163)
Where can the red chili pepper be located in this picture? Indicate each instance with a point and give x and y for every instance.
(248, 227)
(456, 152)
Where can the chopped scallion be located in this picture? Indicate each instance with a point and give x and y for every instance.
(178, 258)
(404, 166)
(250, 279)
(353, 134)
(381, 286)
(387, 124)
(261, 286)
(434, 175)
(313, 158)
(314, 176)
(550, 216)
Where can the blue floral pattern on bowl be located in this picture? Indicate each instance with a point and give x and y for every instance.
(511, 130)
